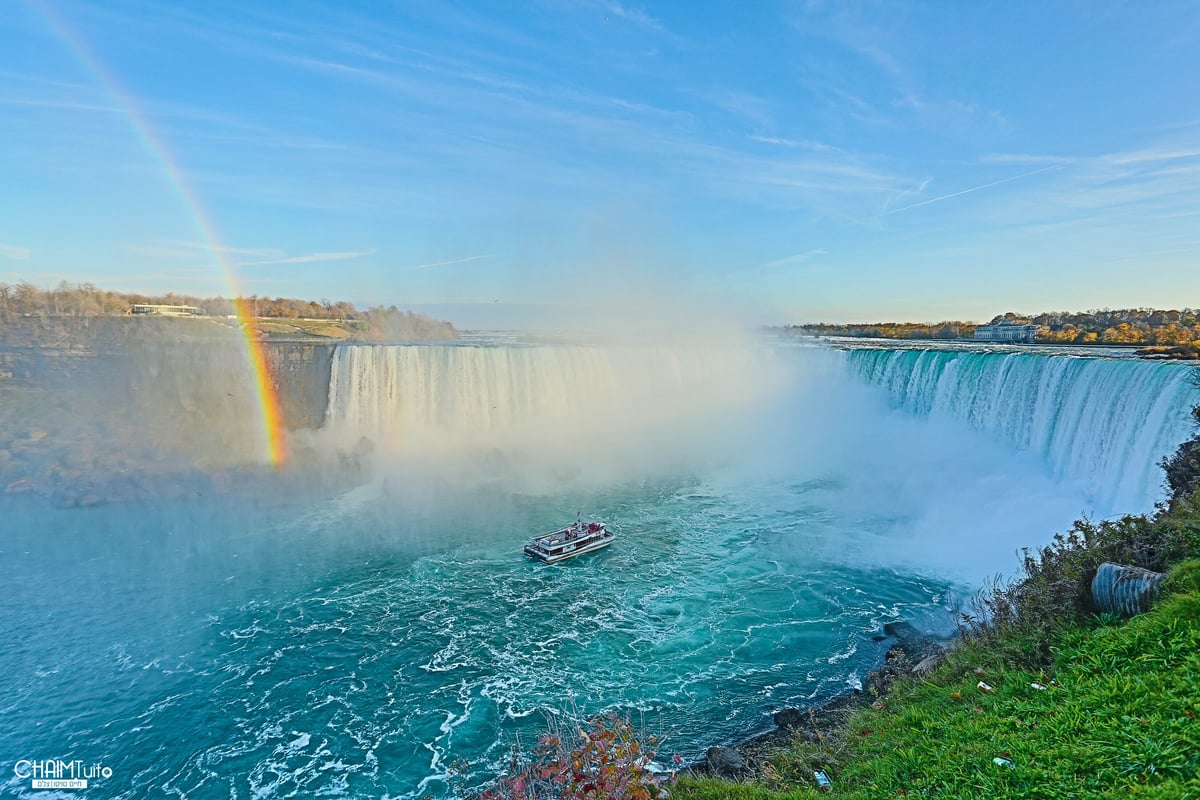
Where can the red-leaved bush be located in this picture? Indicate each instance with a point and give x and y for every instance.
(603, 759)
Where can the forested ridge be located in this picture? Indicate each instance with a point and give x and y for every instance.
(25, 300)
(1129, 326)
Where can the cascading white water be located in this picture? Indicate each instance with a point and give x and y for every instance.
(494, 395)
(1102, 422)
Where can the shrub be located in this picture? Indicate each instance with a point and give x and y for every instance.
(1183, 468)
(1021, 618)
(603, 759)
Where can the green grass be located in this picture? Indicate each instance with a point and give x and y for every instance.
(713, 789)
(1121, 718)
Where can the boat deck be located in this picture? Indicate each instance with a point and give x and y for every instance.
(569, 542)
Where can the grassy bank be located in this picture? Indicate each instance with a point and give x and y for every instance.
(1117, 716)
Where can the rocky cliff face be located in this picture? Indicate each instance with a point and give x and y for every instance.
(300, 371)
(121, 408)
(110, 359)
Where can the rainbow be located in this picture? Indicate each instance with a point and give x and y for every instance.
(274, 449)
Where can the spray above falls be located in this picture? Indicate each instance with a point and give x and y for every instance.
(551, 401)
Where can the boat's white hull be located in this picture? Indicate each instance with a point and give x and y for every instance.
(553, 558)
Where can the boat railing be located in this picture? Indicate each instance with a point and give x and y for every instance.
(567, 536)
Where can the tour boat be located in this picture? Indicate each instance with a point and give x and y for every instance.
(579, 538)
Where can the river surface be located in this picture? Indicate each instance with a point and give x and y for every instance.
(365, 643)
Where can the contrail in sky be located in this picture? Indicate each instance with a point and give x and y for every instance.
(972, 189)
(447, 263)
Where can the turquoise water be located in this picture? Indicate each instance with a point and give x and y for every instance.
(337, 647)
(285, 643)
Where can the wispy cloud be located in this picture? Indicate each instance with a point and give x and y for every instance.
(453, 261)
(434, 87)
(176, 250)
(162, 252)
(14, 252)
(1151, 155)
(1104, 190)
(743, 105)
(800, 144)
(972, 189)
(167, 278)
(62, 105)
(635, 16)
(1023, 158)
(179, 250)
(798, 258)
(897, 93)
(258, 252)
(1189, 247)
(310, 258)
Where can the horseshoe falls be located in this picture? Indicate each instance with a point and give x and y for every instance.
(1102, 422)
(775, 506)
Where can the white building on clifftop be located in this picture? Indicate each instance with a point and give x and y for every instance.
(1006, 332)
(165, 311)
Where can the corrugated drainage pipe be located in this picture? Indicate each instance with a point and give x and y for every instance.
(1127, 591)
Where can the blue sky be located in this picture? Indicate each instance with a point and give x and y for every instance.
(797, 161)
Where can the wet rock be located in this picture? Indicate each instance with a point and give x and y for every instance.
(726, 762)
(925, 667)
(911, 643)
(902, 631)
(880, 680)
(897, 662)
(788, 717)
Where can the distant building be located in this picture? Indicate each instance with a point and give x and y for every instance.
(1006, 332)
(166, 311)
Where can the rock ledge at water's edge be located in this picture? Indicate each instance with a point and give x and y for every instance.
(913, 653)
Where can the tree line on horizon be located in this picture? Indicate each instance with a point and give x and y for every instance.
(81, 300)
(1130, 326)
(85, 299)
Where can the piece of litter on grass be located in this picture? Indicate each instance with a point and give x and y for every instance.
(1038, 686)
(823, 782)
(983, 687)
(1002, 762)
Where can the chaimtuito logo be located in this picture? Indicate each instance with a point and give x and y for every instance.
(54, 773)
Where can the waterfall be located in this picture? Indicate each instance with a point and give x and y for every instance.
(478, 395)
(1102, 422)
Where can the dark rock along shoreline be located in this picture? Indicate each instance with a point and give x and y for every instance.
(913, 653)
